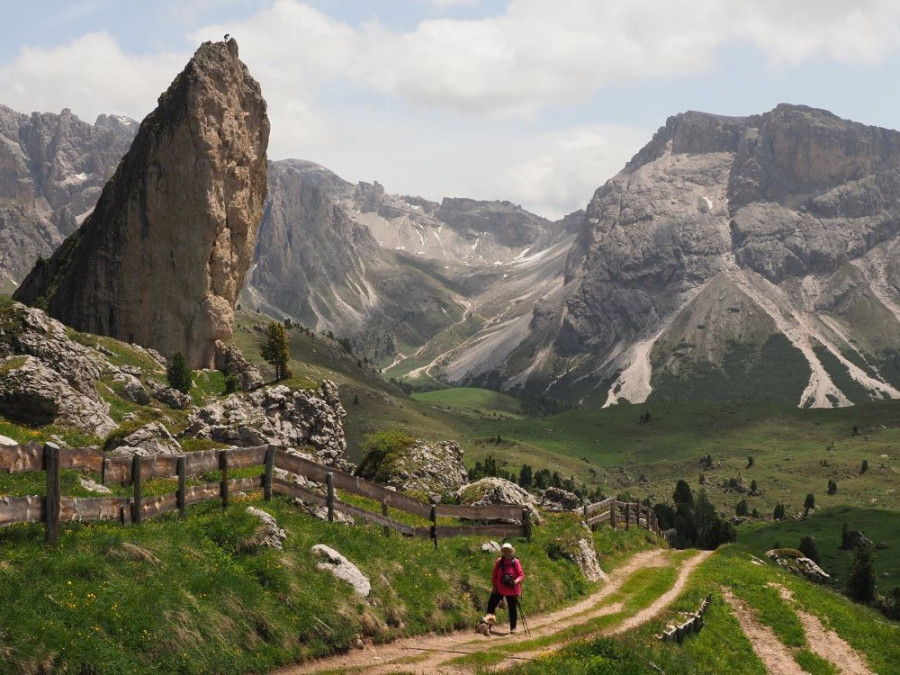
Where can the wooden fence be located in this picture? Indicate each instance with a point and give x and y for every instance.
(621, 513)
(52, 508)
(692, 625)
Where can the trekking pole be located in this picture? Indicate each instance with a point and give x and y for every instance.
(524, 621)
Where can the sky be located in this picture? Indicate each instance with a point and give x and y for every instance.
(538, 102)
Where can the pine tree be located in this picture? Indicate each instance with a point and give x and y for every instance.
(526, 476)
(778, 514)
(809, 549)
(810, 502)
(861, 578)
(683, 494)
(178, 374)
(832, 486)
(275, 350)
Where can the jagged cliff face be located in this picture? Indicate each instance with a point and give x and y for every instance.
(395, 274)
(735, 257)
(52, 169)
(164, 255)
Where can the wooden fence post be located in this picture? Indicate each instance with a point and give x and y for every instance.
(384, 512)
(181, 467)
(628, 516)
(434, 525)
(270, 470)
(136, 487)
(329, 498)
(223, 467)
(613, 506)
(51, 500)
(526, 523)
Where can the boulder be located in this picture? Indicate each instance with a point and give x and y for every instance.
(557, 499)
(231, 361)
(490, 547)
(130, 388)
(737, 484)
(268, 533)
(493, 490)
(171, 397)
(94, 486)
(32, 393)
(794, 561)
(151, 439)
(341, 568)
(585, 556)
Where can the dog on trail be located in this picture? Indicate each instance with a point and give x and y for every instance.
(486, 624)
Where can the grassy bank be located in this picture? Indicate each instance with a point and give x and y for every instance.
(194, 596)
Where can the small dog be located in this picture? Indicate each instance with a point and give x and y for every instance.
(486, 624)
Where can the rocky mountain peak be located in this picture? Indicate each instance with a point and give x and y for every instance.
(163, 256)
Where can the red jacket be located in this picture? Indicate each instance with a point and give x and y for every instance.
(513, 567)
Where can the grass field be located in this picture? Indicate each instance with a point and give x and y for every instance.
(825, 526)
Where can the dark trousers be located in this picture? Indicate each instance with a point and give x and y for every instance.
(512, 602)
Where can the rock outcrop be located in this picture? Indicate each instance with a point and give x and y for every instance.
(794, 561)
(557, 499)
(163, 256)
(276, 415)
(432, 469)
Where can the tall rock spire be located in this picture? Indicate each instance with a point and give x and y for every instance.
(162, 258)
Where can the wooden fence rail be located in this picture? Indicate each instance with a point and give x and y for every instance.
(53, 508)
(621, 513)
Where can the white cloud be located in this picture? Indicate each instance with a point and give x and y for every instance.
(90, 75)
(563, 169)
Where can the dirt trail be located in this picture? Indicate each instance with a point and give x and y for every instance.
(826, 643)
(778, 658)
(775, 656)
(429, 654)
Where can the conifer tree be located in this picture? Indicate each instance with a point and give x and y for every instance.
(178, 374)
(275, 350)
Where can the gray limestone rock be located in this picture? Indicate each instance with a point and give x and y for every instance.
(131, 389)
(32, 393)
(342, 568)
(276, 415)
(268, 533)
(151, 439)
(557, 499)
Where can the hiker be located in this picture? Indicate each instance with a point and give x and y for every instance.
(507, 583)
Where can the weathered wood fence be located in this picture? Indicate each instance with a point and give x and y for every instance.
(692, 625)
(52, 508)
(618, 513)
